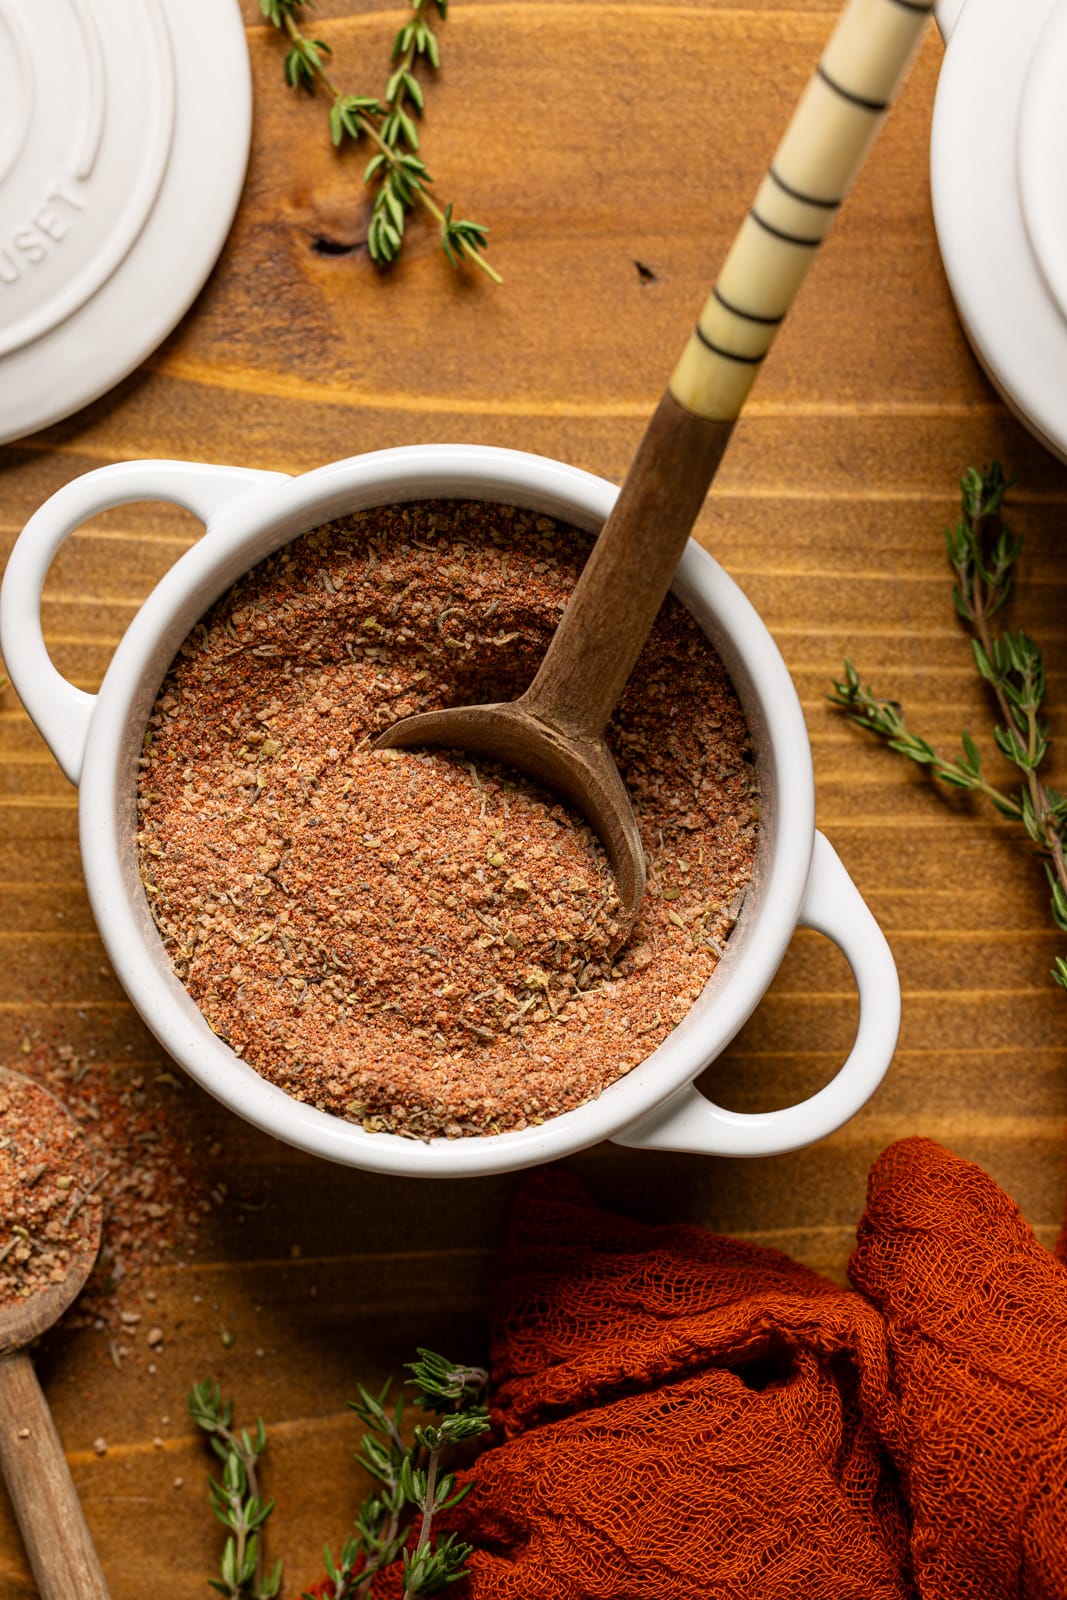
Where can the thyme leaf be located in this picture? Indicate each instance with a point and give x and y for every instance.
(413, 1484)
(413, 1481)
(235, 1497)
(983, 554)
(396, 173)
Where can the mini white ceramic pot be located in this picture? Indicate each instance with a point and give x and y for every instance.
(999, 201)
(97, 740)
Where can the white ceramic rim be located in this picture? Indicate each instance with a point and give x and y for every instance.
(1042, 140)
(150, 289)
(243, 534)
(1005, 304)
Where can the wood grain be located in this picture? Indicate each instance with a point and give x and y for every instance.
(49, 1514)
(612, 188)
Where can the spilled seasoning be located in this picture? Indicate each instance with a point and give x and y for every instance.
(147, 1134)
(408, 939)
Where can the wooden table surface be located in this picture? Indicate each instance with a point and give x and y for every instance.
(612, 148)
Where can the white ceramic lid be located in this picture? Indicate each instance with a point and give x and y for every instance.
(1000, 204)
(124, 136)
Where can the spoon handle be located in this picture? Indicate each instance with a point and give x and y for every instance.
(829, 134)
(42, 1491)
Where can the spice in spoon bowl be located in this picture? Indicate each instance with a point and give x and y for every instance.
(50, 1213)
(50, 1220)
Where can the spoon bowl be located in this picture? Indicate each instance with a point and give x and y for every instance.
(578, 766)
(34, 1467)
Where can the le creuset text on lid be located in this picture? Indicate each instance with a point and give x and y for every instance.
(124, 137)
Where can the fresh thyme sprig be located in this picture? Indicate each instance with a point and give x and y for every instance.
(399, 174)
(412, 1481)
(235, 1499)
(983, 555)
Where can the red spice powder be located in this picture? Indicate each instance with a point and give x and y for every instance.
(409, 939)
(49, 1205)
(145, 1133)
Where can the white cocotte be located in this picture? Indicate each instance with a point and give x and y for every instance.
(997, 147)
(96, 739)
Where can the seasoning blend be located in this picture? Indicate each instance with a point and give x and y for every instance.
(49, 1236)
(147, 1134)
(49, 1204)
(407, 939)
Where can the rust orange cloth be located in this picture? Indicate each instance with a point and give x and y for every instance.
(976, 1321)
(681, 1415)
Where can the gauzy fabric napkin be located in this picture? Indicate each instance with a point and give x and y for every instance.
(686, 1417)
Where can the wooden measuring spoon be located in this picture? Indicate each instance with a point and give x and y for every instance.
(555, 730)
(38, 1479)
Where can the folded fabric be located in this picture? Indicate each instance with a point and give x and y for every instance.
(682, 1415)
(976, 1318)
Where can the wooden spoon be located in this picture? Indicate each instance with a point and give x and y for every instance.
(555, 730)
(35, 1470)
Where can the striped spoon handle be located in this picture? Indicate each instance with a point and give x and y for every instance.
(632, 563)
(824, 147)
